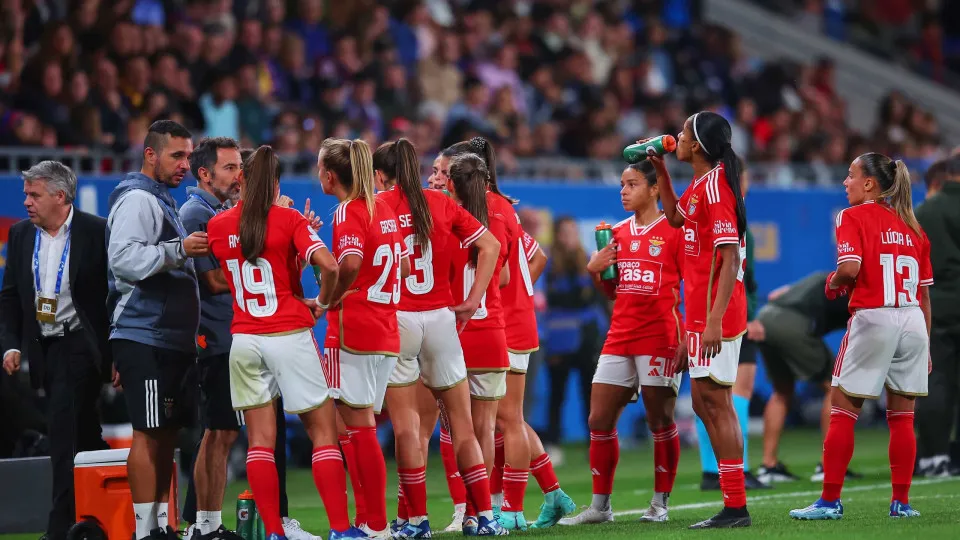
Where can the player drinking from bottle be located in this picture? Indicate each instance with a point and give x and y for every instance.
(482, 338)
(883, 263)
(262, 247)
(645, 332)
(363, 339)
(429, 348)
(714, 223)
(526, 263)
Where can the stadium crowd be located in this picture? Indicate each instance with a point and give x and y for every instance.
(543, 79)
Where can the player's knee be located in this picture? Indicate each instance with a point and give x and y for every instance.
(600, 421)
(221, 440)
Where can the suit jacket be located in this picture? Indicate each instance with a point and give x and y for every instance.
(88, 289)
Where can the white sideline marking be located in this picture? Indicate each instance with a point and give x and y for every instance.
(788, 495)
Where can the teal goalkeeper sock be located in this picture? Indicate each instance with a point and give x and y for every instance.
(708, 461)
(742, 406)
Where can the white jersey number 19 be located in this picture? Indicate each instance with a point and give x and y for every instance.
(245, 280)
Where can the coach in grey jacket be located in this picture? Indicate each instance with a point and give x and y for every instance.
(155, 310)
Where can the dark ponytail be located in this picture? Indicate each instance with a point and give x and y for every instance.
(469, 175)
(399, 162)
(261, 173)
(483, 148)
(713, 133)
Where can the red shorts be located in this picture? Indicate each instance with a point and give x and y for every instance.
(485, 350)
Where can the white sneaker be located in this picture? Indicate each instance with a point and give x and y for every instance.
(457, 524)
(293, 531)
(190, 529)
(556, 455)
(589, 516)
(380, 535)
(656, 513)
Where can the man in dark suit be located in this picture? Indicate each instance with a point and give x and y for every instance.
(53, 309)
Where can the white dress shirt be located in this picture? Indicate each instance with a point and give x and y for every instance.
(51, 249)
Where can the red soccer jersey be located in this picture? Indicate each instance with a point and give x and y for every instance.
(519, 314)
(708, 207)
(894, 260)
(428, 285)
(265, 292)
(366, 320)
(490, 313)
(646, 314)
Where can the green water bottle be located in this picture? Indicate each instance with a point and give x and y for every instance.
(249, 524)
(656, 146)
(604, 235)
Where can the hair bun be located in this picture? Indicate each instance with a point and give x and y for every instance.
(479, 143)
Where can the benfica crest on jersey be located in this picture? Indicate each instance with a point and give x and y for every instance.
(692, 207)
(656, 246)
(634, 246)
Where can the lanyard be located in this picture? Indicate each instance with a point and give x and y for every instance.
(36, 263)
(204, 202)
(172, 214)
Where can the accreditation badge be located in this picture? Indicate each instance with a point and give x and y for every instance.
(47, 310)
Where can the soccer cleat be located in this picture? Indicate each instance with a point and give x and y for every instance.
(513, 521)
(276, 536)
(556, 505)
(657, 513)
(820, 510)
(409, 530)
(379, 535)
(192, 531)
(293, 531)
(728, 518)
(589, 516)
(710, 481)
(497, 510)
(901, 510)
(457, 523)
(352, 532)
(751, 482)
(396, 526)
(490, 527)
(470, 525)
(818, 474)
(777, 473)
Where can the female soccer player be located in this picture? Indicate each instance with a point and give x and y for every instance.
(645, 333)
(261, 246)
(883, 263)
(429, 347)
(482, 338)
(363, 339)
(526, 263)
(714, 223)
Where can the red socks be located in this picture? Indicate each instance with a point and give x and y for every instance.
(496, 475)
(666, 456)
(903, 452)
(373, 475)
(837, 451)
(454, 481)
(414, 490)
(604, 455)
(731, 482)
(403, 513)
(542, 469)
(331, 482)
(478, 486)
(265, 484)
(514, 488)
(353, 467)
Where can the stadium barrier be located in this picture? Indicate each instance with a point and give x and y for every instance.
(793, 230)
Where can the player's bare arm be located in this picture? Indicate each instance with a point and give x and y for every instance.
(329, 275)
(404, 267)
(215, 281)
(488, 249)
(349, 269)
(505, 276)
(729, 267)
(846, 275)
(668, 197)
(927, 318)
(600, 261)
(536, 265)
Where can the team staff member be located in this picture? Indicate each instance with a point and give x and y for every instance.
(793, 325)
(940, 218)
(61, 325)
(155, 309)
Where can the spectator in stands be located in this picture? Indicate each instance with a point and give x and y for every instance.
(53, 307)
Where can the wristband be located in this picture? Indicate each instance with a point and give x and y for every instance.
(320, 304)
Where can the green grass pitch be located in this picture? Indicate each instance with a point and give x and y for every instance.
(866, 501)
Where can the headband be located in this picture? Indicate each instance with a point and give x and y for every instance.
(696, 135)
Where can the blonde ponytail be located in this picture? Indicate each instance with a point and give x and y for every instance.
(900, 194)
(361, 162)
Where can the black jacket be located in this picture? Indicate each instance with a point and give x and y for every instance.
(88, 288)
